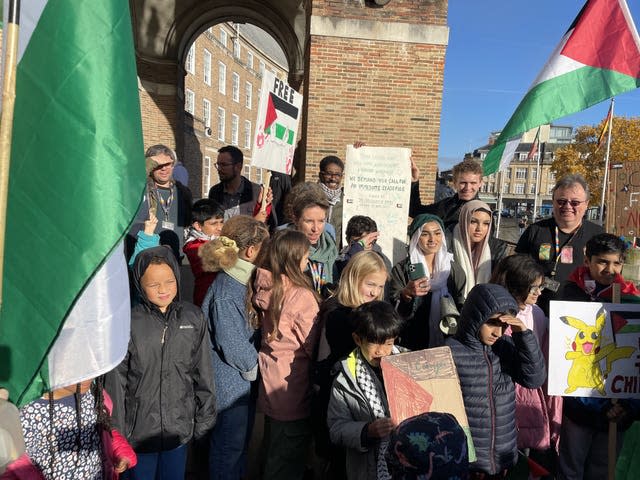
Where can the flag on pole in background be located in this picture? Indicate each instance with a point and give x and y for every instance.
(534, 146)
(598, 58)
(76, 181)
(605, 128)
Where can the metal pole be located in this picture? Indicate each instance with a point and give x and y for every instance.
(606, 166)
(6, 120)
(500, 181)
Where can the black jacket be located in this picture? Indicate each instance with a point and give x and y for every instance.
(487, 375)
(163, 390)
(448, 209)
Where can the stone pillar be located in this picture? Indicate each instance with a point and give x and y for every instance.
(375, 75)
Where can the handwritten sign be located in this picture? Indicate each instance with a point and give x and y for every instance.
(279, 111)
(377, 184)
(594, 349)
(623, 200)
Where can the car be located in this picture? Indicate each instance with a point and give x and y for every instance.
(506, 213)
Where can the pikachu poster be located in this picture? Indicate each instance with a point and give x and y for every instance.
(594, 350)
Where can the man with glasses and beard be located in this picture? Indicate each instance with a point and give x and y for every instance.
(330, 179)
(558, 243)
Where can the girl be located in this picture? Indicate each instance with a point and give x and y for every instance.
(68, 435)
(538, 416)
(472, 248)
(235, 355)
(418, 299)
(287, 306)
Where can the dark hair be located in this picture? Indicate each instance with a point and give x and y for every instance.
(206, 209)
(358, 225)
(160, 149)
(376, 322)
(235, 152)
(302, 196)
(604, 243)
(517, 273)
(329, 160)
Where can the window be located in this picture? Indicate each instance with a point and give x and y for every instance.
(236, 47)
(234, 129)
(258, 179)
(523, 156)
(250, 60)
(206, 174)
(207, 67)
(190, 65)
(261, 67)
(235, 87)
(519, 188)
(521, 173)
(223, 37)
(248, 93)
(534, 174)
(509, 174)
(206, 113)
(247, 134)
(222, 78)
(505, 188)
(189, 101)
(532, 188)
(220, 123)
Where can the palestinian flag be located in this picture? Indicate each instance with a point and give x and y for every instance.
(76, 181)
(598, 58)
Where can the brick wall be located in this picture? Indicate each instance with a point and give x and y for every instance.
(431, 12)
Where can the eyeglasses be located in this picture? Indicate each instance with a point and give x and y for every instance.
(222, 165)
(331, 174)
(164, 165)
(536, 289)
(574, 203)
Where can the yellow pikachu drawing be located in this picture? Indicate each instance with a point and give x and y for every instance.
(587, 353)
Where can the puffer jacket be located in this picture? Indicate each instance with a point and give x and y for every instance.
(487, 375)
(163, 390)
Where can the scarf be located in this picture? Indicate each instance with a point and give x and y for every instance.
(370, 385)
(333, 197)
(322, 256)
(191, 234)
(440, 274)
(241, 271)
(629, 293)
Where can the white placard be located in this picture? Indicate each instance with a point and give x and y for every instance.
(593, 349)
(377, 183)
(279, 111)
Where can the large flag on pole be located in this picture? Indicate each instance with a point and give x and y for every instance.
(605, 128)
(534, 146)
(76, 180)
(598, 58)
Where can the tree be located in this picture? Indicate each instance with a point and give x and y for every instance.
(581, 156)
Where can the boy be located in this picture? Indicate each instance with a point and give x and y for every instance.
(208, 218)
(358, 414)
(488, 364)
(585, 421)
(163, 390)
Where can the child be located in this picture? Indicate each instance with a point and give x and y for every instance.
(585, 421)
(488, 364)
(286, 306)
(208, 218)
(538, 416)
(234, 339)
(163, 390)
(57, 449)
(358, 414)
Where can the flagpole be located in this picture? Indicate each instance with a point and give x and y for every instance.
(606, 166)
(536, 191)
(499, 203)
(6, 120)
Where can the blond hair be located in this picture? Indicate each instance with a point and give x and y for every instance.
(361, 264)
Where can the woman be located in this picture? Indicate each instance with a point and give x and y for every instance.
(234, 341)
(307, 206)
(472, 248)
(418, 298)
(286, 306)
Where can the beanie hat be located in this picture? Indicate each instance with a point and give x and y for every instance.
(421, 219)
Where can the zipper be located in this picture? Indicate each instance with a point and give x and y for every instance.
(492, 412)
(164, 334)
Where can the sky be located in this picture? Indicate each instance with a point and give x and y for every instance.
(496, 49)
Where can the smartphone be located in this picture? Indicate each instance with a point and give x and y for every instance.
(416, 271)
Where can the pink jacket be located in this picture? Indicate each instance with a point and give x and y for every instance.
(538, 416)
(285, 363)
(114, 447)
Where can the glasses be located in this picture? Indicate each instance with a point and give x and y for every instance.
(331, 174)
(222, 165)
(536, 289)
(164, 165)
(574, 203)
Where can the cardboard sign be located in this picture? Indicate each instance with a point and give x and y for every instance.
(279, 111)
(377, 184)
(424, 381)
(593, 348)
(622, 200)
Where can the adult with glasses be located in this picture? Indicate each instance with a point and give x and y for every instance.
(558, 243)
(330, 179)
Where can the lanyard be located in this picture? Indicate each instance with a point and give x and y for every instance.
(165, 205)
(559, 250)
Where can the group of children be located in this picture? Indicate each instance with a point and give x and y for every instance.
(258, 329)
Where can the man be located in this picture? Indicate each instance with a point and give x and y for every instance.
(169, 200)
(467, 181)
(558, 243)
(330, 179)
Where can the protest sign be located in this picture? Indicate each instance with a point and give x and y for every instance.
(593, 348)
(377, 183)
(424, 381)
(279, 111)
